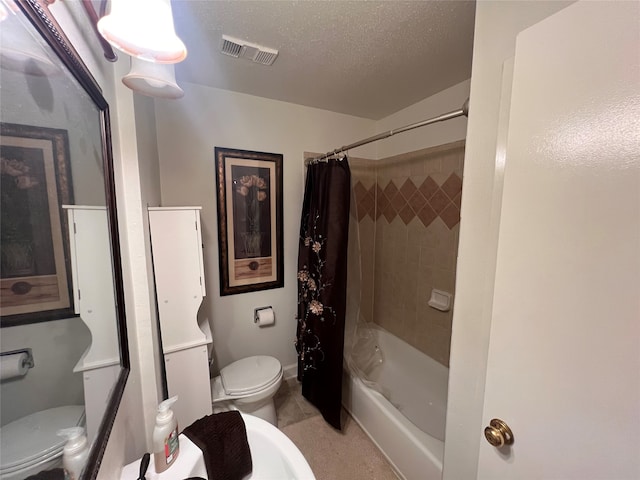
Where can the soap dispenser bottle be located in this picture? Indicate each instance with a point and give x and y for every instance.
(165, 436)
(75, 452)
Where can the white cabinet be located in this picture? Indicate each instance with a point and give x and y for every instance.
(176, 244)
(94, 301)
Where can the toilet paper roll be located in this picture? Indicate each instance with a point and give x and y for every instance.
(265, 317)
(13, 366)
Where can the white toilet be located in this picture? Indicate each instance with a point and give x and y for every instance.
(31, 444)
(248, 385)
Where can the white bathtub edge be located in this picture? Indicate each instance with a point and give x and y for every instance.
(417, 458)
(394, 467)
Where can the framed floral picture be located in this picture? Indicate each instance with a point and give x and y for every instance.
(35, 275)
(249, 220)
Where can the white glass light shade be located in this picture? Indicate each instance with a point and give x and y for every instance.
(152, 79)
(143, 29)
(4, 13)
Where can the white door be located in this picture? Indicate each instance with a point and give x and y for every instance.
(564, 361)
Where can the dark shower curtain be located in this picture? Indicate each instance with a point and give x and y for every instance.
(322, 285)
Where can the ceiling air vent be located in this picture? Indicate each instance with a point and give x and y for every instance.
(241, 49)
(230, 46)
(266, 56)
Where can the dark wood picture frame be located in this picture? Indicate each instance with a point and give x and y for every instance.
(36, 283)
(250, 237)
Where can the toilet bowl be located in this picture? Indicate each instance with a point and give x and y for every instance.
(248, 385)
(31, 444)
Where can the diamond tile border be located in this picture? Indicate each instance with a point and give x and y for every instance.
(427, 201)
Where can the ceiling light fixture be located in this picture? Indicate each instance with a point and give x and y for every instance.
(143, 29)
(153, 79)
(4, 13)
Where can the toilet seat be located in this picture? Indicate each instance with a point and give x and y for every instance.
(250, 375)
(33, 439)
(54, 456)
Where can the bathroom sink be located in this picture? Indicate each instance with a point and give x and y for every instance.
(274, 457)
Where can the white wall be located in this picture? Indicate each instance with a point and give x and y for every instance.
(131, 434)
(188, 130)
(56, 346)
(147, 143)
(52, 103)
(496, 27)
(436, 134)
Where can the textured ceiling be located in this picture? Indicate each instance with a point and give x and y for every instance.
(363, 58)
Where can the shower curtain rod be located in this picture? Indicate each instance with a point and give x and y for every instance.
(381, 136)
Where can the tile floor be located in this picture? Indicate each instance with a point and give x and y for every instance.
(333, 455)
(291, 406)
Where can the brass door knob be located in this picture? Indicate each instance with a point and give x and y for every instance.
(498, 433)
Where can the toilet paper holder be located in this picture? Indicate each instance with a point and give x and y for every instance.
(256, 310)
(28, 361)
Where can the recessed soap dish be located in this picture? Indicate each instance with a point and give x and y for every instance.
(440, 300)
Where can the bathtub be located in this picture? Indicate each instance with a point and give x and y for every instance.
(407, 423)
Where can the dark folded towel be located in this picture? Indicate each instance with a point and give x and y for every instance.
(222, 437)
(55, 474)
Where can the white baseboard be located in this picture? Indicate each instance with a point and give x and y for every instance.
(290, 371)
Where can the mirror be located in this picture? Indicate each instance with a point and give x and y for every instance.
(63, 338)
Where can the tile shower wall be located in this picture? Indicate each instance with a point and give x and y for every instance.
(363, 174)
(408, 211)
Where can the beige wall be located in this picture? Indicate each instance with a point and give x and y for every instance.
(188, 132)
(408, 218)
(436, 134)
